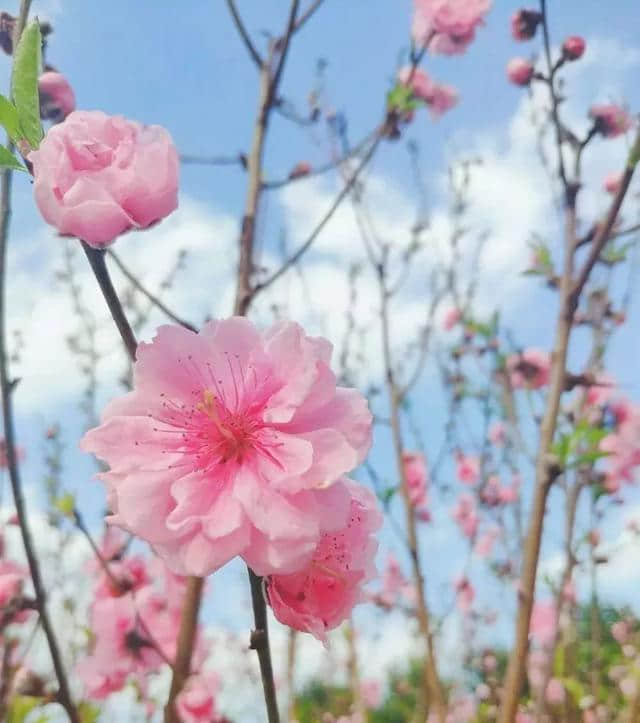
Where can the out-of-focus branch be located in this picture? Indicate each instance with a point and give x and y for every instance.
(133, 279)
(237, 20)
(302, 19)
(194, 160)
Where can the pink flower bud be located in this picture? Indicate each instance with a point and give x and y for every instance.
(611, 183)
(524, 24)
(573, 47)
(98, 176)
(519, 71)
(303, 168)
(57, 98)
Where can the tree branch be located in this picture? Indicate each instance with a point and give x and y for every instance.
(237, 20)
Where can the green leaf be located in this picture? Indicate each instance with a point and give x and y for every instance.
(88, 712)
(575, 688)
(20, 707)
(401, 98)
(9, 119)
(8, 160)
(65, 504)
(27, 61)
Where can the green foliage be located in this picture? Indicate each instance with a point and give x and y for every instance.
(88, 712)
(27, 62)
(8, 160)
(9, 119)
(580, 446)
(318, 698)
(402, 100)
(20, 707)
(65, 504)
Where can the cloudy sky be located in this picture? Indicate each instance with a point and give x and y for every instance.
(181, 65)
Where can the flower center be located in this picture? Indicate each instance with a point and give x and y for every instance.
(232, 434)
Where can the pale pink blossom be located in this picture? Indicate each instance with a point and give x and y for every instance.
(124, 576)
(229, 445)
(465, 594)
(371, 693)
(497, 433)
(439, 98)
(510, 493)
(97, 176)
(536, 665)
(486, 541)
(520, 71)
(573, 47)
(448, 26)
(12, 579)
(393, 582)
(467, 468)
(569, 593)
(196, 701)
(416, 478)
(530, 369)
(629, 687)
(57, 98)
(621, 631)
(490, 492)
(451, 318)
(542, 628)
(322, 595)
(555, 693)
(612, 182)
(524, 24)
(610, 120)
(622, 447)
(121, 648)
(601, 391)
(483, 691)
(465, 515)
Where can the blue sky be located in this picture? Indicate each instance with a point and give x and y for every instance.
(182, 65)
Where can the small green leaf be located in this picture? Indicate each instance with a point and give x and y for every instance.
(402, 99)
(9, 119)
(65, 504)
(8, 160)
(27, 61)
(89, 713)
(20, 707)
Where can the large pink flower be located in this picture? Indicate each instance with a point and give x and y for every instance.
(321, 596)
(97, 176)
(227, 444)
(448, 26)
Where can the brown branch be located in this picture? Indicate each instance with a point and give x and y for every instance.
(546, 466)
(237, 20)
(432, 686)
(186, 640)
(260, 643)
(145, 292)
(307, 14)
(7, 387)
(193, 160)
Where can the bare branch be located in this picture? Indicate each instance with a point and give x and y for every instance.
(237, 20)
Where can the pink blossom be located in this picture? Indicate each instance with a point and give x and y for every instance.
(610, 120)
(523, 717)
(629, 687)
(555, 693)
(393, 582)
(530, 369)
(196, 701)
(371, 693)
(612, 182)
(569, 593)
(229, 444)
(573, 47)
(12, 579)
(125, 576)
(489, 662)
(497, 434)
(465, 594)
(97, 176)
(483, 691)
(467, 468)
(520, 71)
(448, 26)
(536, 665)
(451, 318)
(121, 648)
(621, 631)
(524, 24)
(57, 98)
(510, 493)
(490, 492)
(601, 391)
(623, 448)
(542, 627)
(416, 478)
(438, 98)
(486, 541)
(464, 513)
(320, 597)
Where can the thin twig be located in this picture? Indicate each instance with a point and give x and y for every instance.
(237, 20)
(194, 160)
(145, 292)
(344, 192)
(307, 14)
